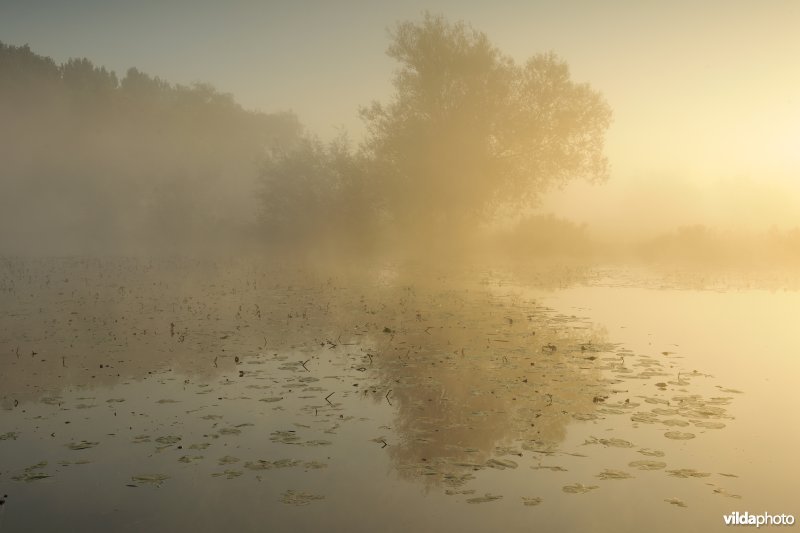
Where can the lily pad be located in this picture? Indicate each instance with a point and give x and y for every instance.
(646, 418)
(578, 488)
(317, 443)
(650, 452)
(299, 497)
(710, 425)
(286, 463)
(647, 465)
(613, 442)
(664, 412)
(82, 445)
(31, 476)
(501, 464)
(153, 479)
(229, 474)
(554, 468)
(614, 474)
(679, 435)
(687, 473)
(484, 499)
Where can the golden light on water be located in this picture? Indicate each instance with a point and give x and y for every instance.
(423, 266)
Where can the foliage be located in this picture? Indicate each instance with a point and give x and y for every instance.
(316, 193)
(469, 132)
(92, 162)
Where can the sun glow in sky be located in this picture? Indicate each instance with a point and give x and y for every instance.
(702, 93)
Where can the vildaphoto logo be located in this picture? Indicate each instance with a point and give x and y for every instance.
(765, 519)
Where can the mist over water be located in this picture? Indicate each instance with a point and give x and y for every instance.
(460, 316)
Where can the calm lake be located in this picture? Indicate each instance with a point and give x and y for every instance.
(177, 395)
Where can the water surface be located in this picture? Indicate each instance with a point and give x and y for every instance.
(182, 395)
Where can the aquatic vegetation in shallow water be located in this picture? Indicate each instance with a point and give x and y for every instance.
(613, 442)
(484, 499)
(679, 435)
(229, 474)
(152, 479)
(664, 411)
(578, 488)
(299, 497)
(554, 468)
(614, 474)
(471, 395)
(30, 473)
(674, 422)
(647, 465)
(650, 452)
(69, 463)
(501, 464)
(646, 418)
(82, 445)
(723, 492)
(31, 476)
(709, 425)
(687, 473)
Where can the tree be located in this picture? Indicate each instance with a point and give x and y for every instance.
(122, 165)
(316, 195)
(469, 132)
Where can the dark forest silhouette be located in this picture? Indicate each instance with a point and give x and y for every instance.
(93, 163)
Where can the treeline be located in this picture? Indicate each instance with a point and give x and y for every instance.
(92, 163)
(469, 136)
(703, 245)
(536, 237)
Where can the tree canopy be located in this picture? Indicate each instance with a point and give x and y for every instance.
(92, 162)
(469, 131)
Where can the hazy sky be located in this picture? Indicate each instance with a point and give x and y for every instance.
(704, 93)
